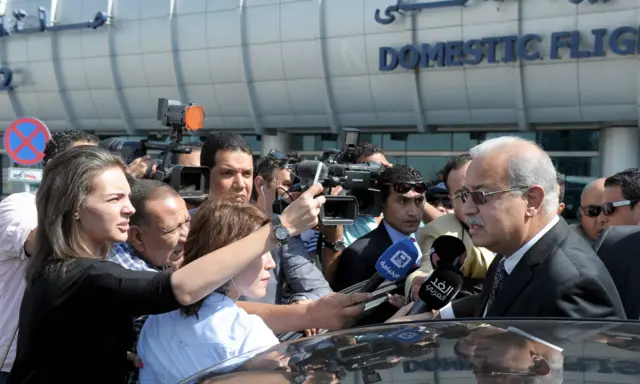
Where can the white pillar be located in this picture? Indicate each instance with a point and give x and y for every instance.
(281, 141)
(619, 149)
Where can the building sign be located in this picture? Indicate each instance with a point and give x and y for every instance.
(16, 25)
(6, 77)
(622, 41)
(25, 175)
(402, 6)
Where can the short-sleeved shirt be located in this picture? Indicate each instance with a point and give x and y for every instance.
(76, 326)
(174, 347)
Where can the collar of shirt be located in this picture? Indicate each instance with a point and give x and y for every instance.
(397, 236)
(511, 261)
(125, 255)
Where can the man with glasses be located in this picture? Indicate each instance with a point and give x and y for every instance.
(542, 268)
(403, 191)
(621, 196)
(590, 208)
(453, 224)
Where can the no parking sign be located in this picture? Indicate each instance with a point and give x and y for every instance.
(25, 140)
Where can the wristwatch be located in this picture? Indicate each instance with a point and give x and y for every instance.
(280, 232)
(336, 246)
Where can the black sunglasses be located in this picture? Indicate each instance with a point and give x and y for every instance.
(591, 210)
(403, 188)
(274, 154)
(609, 208)
(480, 197)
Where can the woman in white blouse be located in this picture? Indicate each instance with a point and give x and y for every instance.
(175, 345)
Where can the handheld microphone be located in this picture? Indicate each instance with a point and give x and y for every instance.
(393, 264)
(438, 290)
(447, 250)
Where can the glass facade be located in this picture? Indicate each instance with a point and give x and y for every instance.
(572, 151)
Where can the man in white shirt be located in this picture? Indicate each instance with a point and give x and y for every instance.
(18, 221)
(542, 268)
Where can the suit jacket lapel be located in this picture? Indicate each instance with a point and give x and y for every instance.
(523, 272)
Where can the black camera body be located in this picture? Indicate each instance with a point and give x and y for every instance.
(337, 168)
(190, 182)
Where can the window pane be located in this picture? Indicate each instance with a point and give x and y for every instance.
(392, 145)
(576, 166)
(304, 143)
(253, 142)
(397, 160)
(328, 144)
(464, 142)
(525, 135)
(569, 140)
(429, 142)
(428, 166)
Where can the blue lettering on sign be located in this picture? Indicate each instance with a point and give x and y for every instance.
(17, 25)
(6, 77)
(622, 41)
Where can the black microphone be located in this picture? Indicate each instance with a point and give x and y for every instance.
(438, 290)
(393, 264)
(447, 250)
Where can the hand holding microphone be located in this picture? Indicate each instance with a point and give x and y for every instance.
(393, 264)
(447, 257)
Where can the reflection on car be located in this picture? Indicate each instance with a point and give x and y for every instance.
(478, 351)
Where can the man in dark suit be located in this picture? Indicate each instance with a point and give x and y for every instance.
(543, 269)
(403, 191)
(618, 247)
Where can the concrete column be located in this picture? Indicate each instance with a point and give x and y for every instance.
(619, 149)
(281, 141)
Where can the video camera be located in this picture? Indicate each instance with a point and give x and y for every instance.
(360, 182)
(190, 182)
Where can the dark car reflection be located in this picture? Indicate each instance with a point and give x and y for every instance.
(513, 351)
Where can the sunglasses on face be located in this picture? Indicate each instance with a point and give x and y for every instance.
(480, 197)
(609, 208)
(591, 210)
(403, 188)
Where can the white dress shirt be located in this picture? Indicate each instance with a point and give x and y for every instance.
(509, 264)
(173, 347)
(18, 217)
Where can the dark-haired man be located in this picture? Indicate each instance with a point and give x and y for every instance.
(403, 195)
(621, 197)
(293, 263)
(452, 224)
(18, 222)
(230, 159)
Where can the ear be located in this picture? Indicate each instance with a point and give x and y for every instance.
(561, 208)
(135, 238)
(539, 367)
(258, 182)
(534, 196)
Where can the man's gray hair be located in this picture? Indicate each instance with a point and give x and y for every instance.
(526, 168)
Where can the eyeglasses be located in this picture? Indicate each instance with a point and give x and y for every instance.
(406, 187)
(591, 210)
(480, 197)
(609, 208)
(274, 154)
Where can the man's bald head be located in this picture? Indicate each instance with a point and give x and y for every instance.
(144, 191)
(593, 192)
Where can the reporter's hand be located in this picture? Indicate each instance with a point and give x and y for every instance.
(310, 331)
(336, 311)
(139, 166)
(303, 213)
(415, 286)
(402, 312)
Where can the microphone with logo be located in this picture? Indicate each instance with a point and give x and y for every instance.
(447, 256)
(393, 264)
